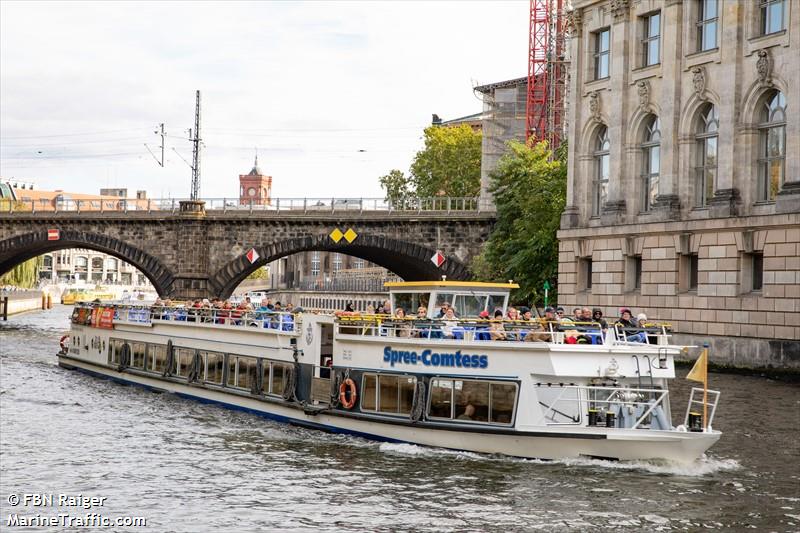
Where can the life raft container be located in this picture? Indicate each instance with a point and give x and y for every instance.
(347, 393)
(63, 343)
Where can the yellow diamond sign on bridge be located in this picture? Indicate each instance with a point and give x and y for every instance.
(336, 235)
(350, 235)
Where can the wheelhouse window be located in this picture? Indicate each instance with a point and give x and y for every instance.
(651, 152)
(706, 137)
(651, 39)
(707, 25)
(772, 160)
(472, 400)
(387, 393)
(602, 53)
(773, 16)
(602, 162)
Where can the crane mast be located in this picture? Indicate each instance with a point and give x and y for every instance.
(546, 72)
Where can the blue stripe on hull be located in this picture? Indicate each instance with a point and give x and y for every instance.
(235, 407)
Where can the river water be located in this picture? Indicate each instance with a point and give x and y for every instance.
(187, 466)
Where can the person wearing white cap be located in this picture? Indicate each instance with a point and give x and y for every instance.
(641, 320)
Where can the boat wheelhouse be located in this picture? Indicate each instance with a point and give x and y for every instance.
(446, 382)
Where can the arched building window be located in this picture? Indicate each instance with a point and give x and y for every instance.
(651, 152)
(706, 136)
(772, 149)
(601, 171)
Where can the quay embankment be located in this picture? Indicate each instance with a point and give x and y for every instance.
(773, 358)
(21, 301)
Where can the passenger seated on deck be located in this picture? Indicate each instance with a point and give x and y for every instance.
(402, 326)
(597, 316)
(627, 323)
(497, 331)
(450, 322)
(469, 412)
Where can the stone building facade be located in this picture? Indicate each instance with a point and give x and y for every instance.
(683, 197)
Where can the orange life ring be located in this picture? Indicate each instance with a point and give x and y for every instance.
(347, 385)
(63, 344)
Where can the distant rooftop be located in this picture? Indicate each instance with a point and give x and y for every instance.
(501, 85)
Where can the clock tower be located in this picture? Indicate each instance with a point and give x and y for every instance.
(254, 187)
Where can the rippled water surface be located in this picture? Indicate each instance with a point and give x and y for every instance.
(187, 466)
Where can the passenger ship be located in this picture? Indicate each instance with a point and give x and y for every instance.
(424, 381)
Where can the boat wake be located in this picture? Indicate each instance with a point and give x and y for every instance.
(701, 467)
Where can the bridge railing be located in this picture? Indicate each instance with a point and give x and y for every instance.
(275, 205)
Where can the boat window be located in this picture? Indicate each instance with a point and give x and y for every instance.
(473, 400)
(496, 301)
(387, 393)
(469, 304)
(441, 398)
(157, 360)
(410, 301)
(231, 370)
(442, 297)
(503, 398)
(276, 383)
(246, 368)
(369, 393)
(215, 365)
(114, 351)
(182, 362)
(138, 354)
(475, 394)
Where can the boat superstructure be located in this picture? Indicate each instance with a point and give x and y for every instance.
(424, 380)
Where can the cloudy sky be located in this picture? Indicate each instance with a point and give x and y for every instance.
(332, 94)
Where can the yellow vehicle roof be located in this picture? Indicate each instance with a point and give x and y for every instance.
(449, 284)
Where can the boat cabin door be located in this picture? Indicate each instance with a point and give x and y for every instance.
(325, 349)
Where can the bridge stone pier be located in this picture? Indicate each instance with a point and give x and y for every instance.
(194, 253)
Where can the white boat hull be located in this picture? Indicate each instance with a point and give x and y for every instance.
(535, 442)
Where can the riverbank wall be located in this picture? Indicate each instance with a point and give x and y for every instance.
(749, 354)
(15, 302)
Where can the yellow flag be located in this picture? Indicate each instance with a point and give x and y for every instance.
(699, 371)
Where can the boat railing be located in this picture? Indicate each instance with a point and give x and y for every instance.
(709, 400)
(239, 318)
(479, 329)
(630, 407)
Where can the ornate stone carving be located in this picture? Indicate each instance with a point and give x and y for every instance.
(699, 81)
(594, 104)
(643, 89)
(575, 21)
(619, 8)
(764, 67)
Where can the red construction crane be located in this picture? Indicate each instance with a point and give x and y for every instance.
(546, 72)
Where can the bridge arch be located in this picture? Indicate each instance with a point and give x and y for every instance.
(410, 261)
(20, 248)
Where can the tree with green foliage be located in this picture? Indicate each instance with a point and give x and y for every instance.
(24, 275)
(529, 188)
(259, 273)
(448, 165)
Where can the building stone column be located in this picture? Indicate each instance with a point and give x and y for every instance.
(668, 200)
(616, 109)
(727, 195)
(571, 214)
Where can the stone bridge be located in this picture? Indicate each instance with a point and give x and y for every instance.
(194, 253)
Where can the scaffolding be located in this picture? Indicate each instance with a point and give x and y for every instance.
(547, 72)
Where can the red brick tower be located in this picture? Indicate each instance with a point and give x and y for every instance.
(255, 187)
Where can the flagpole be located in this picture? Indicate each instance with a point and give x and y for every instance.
(705, 389)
